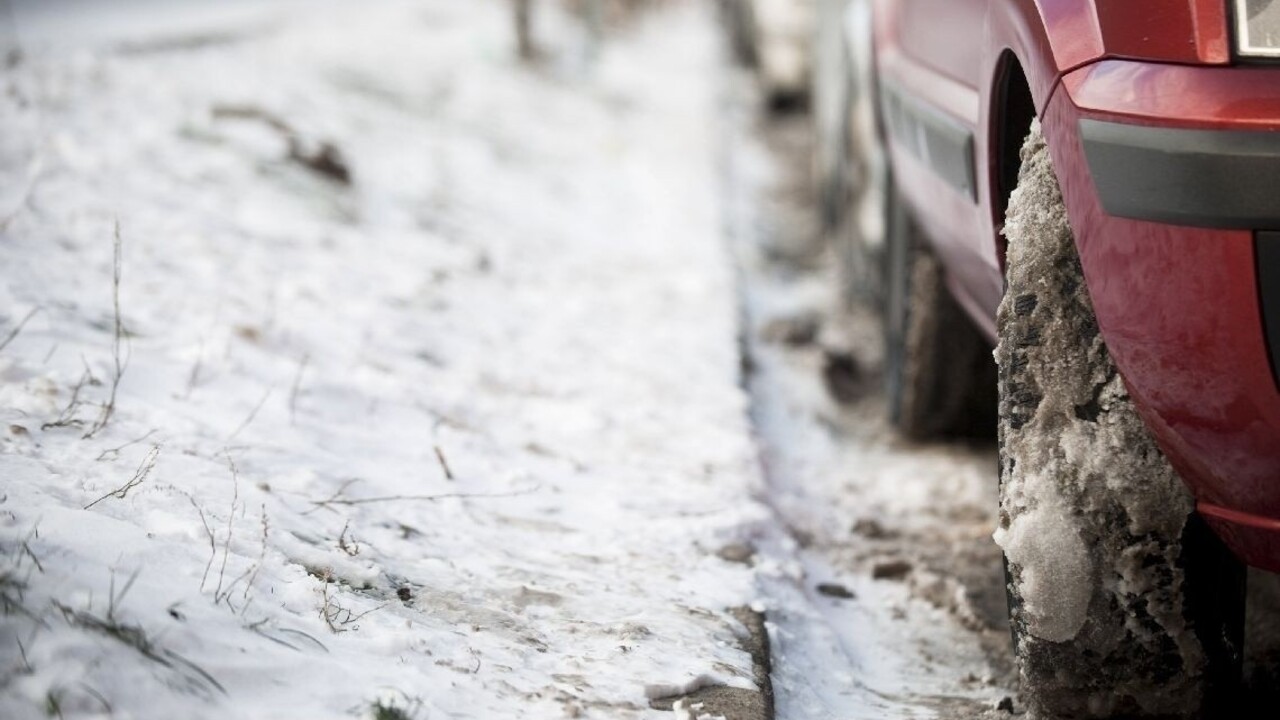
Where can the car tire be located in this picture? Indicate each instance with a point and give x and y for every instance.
(1121, 602)
(940, 379)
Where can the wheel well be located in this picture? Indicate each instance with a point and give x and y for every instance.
(1013, 112)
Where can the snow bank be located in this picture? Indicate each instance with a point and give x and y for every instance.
(428, 396)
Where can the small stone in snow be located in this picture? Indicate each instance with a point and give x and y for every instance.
(873, 530)
(1005, 704)
(835, 590)
(891, 570)
(404, 593)
(736, 553)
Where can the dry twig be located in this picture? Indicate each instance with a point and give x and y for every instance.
(337, 500)
(115, 451)
(135, 637)
(213, 543)
(335, 616)
(109, 408)
(250, 575)
(67, 418)
(144, 469)
(226, 545)
(444, 464)
(351, 548)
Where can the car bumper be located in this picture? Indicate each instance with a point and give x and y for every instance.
(1227, 179)
(1172, 180)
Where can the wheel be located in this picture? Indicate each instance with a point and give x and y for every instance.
(940, 380)
(1120, 606)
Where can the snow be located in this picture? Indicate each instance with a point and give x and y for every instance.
(1056, 566)
(459, 437)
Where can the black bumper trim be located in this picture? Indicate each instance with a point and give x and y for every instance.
(932, 136)
(1228, 179)
(1267, 252)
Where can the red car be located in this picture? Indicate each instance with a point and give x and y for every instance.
(1095, 185)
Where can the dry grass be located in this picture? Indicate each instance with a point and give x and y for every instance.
(120, 362)
(144, 469)
(135, 637)
(337, 617)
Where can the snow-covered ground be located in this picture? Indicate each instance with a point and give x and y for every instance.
(427, 370)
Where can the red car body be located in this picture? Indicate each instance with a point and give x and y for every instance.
(1167, 150)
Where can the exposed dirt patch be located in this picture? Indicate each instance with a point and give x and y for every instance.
(730, 702)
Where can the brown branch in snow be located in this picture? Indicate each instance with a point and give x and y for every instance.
(444, 464)
(26, 550)
(351, 548)
(336, 500)
(67, 417)
(325, 159)
(115, 451)
(22, 650)
(213, 543)
(335, 616)
(226, 545)
(336, 494)
(144, 469)
(109, 408)
(249, 112)
(250, 575)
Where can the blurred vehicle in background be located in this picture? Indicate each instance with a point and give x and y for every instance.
(774, 37)
(1090, 187)
(849, 160)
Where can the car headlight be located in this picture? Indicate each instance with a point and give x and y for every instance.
(1257, 28)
